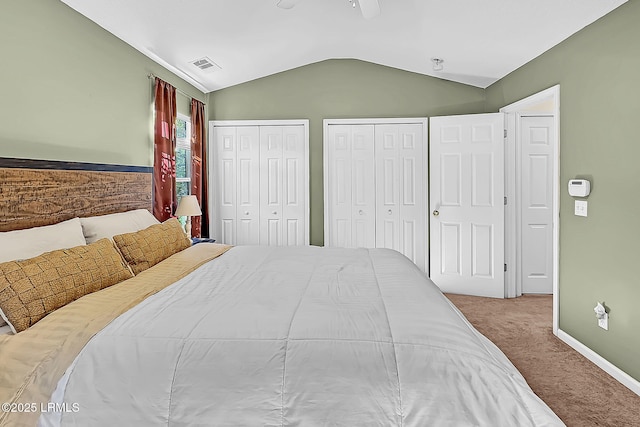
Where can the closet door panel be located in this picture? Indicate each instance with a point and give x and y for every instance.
(248, 186)
(400, 186)
(293, 179)
(363, 196)
(271, 188)
(339, 191)
(412, 192)
(225, 149)
(387, 187)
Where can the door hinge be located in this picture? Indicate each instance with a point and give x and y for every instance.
(505, 200)
(505, 133)
(505, 267)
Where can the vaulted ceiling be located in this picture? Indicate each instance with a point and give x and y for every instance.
(480, 41)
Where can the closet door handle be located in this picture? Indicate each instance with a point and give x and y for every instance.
(436, 213)
(389, 211)
(360, 212)
(275, 212)
(246, 212)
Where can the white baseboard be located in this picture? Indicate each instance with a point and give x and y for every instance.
(624, 378)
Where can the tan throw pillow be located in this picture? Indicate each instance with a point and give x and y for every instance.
(32, 288)
(146, 248)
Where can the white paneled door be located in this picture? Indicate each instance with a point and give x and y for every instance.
(224, 144)
(260, 182)
(536, 244)
(351, 186)
(282, 186)
(375, 186)
(237, 211)
(271, 186)
(467, 204)
(363, 206)
(247, 186)
(400, 189)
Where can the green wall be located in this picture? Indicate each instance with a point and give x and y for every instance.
(71, 90)
(340, 88)
(598, 70)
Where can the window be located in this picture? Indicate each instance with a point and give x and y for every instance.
(183, 156)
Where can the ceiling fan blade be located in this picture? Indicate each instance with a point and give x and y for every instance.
(286, 4)
(369, 8)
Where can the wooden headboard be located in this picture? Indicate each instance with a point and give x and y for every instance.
(43, 192)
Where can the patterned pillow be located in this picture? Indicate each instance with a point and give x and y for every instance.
(146, 248)
(32, 288)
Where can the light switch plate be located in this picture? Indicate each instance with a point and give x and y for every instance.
(581, 208)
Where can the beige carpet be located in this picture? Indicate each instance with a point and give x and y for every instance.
(577, 390)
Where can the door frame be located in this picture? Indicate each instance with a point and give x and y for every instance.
(512, 234)
(424, 121)
(211, 161)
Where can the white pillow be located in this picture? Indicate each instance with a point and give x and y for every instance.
(99, 227)
(24, 244)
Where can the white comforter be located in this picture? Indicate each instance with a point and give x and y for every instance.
(296, 337)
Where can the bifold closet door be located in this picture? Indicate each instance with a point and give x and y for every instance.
(351, 186)
(259, 184)
(376, 187)
(400, 190)
(282, 186)
(238, 190)
(248, 186)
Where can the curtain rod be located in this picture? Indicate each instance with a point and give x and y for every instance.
(152, 76)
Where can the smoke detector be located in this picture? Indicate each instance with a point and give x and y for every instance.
(437, 64)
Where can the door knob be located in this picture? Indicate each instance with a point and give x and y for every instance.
(436, 213)
(246, 212)
(275, 212)
(360, 212)
(389, 212)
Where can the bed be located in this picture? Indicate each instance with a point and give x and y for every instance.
(258, 336)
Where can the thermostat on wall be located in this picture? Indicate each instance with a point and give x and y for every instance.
(579, 187)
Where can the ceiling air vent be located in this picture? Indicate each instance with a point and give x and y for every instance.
(205, 64)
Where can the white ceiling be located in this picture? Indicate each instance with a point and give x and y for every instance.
(480, 41)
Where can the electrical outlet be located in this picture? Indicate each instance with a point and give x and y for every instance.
(604, 322)
(580, 208)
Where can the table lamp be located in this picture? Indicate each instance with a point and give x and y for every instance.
(188, 207)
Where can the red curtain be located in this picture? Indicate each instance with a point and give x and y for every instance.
(199, 224)
(164, 149)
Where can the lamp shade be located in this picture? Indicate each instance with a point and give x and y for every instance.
(188, 206)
